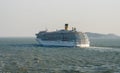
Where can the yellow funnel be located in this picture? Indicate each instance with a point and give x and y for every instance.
(66, 26)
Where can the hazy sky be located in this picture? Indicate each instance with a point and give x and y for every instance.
(27, 17)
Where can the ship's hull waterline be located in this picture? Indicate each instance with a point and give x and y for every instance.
(61, 43)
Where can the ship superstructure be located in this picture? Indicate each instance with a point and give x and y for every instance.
(65, 37)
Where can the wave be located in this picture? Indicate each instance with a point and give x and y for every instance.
(102, 49)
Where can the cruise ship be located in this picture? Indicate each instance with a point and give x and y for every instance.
(64, 38)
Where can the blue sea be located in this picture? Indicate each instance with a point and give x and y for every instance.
(24, 55)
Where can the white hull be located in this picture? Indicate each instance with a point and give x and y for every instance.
(61, 43)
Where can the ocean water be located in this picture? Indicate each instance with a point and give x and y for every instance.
(24, 55)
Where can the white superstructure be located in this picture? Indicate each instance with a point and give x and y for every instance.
(61, 43)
